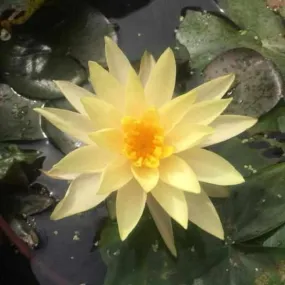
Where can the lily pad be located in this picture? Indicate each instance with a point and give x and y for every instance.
(258, 86)
(252, 159)
(272, 121)
(26, 160)
(143, 259)
(207, 35)
(257, 206)
(257, 16)
(56, 47)
(61, 140)
(18, 120)
(254, 208)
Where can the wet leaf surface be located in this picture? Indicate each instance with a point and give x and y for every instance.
(143, 259)
(273, 121)
(18, 198)
(256, 207)
(54, 48)
(258, 86)
(25, 232)
(28, 161)
(18, 121)
(207, 35)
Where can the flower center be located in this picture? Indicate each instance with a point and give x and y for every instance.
(144, 140)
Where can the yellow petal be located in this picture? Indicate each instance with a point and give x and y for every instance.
(173, 202)
(163, 223)
(211, 168)
(118, 63)
(228, 126)
(115, 176)
(160, 85)
(205, 112)
(173, 111)
(87, 159)
(215, 191)
(106, 86)
(215, 89)
(80, 196)
(102, 114)
(177, 173)
(110, 139)
(147, 64)
(130, 205)
(146, 177)
(202, 213)
(183, 136)
(135, 99)
(74, 94)
(72, 123)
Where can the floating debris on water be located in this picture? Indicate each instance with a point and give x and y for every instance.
(155, 246)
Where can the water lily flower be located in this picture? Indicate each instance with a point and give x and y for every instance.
(147, 147)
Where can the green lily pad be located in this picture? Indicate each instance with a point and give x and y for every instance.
(255, 16)
(54, 44)
(25, 232)
(207, 35)
(143, 259)
(38, 84)
(246, 159)
(258, 86)
(18, 120)
(254, 208)
(61, 140)
(273, 121)
(23, 161)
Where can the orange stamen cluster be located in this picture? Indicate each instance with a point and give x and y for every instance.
(144, 140)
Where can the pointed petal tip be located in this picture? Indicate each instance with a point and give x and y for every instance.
(123, 235)
(185, 224)
(54, 215)
(37, 110)
(108, 40)
(170, 53)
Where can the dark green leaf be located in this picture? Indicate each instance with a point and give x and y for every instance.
(246, 159)
(273, 121)
(18, 121)
(255, 16)
(143, 259)
(56, 47)
(23, 161)
(257, 206)
(206, 36)
(25, 232)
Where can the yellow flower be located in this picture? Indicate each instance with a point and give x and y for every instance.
(146, 146)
